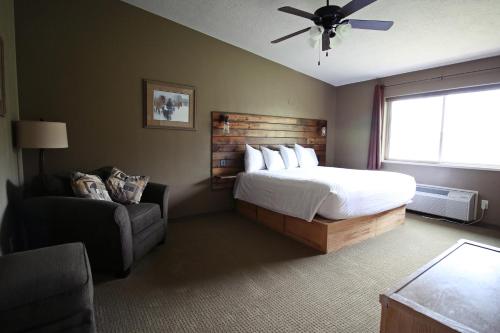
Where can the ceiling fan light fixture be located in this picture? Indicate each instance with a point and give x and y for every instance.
(315, 32)
(343, 30)
(335, 41)
(313, 43)
(315, 35)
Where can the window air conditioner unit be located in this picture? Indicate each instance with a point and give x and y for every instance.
(446, 202)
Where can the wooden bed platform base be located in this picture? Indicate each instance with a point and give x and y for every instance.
(323, 234)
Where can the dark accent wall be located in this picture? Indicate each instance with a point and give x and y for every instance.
(9, 167)
(353, 117)
(82, 62)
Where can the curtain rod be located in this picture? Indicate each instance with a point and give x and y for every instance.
(442, 77)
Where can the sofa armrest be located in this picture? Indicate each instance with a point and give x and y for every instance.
(103, 226)
(157, 193)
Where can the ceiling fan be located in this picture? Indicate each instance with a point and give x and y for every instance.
(330, 18)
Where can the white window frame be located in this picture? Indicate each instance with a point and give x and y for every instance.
(387, 123)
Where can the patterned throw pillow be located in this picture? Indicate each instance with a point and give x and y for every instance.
(89, 186)
(124, 188)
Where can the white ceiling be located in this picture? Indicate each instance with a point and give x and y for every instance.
(426, 33)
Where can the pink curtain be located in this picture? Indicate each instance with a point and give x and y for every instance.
(375, 150)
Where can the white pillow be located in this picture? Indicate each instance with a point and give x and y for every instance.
(306, 156)
(253, 159)
(289, 157)
(273, 159)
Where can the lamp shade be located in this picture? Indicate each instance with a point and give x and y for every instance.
(41, 135)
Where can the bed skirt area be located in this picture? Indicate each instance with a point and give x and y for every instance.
(322, 234)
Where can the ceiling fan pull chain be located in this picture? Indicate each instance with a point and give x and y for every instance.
(319, 54)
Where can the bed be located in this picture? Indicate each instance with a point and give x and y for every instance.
(333, 193)
(324, 208)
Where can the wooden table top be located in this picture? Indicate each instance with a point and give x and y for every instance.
(460, 288)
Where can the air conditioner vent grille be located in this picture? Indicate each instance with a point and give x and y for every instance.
(446, 202)
(432, 190)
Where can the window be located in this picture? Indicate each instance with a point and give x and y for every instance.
(453, 128)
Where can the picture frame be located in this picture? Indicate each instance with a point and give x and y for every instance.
(169, 105)
(3, 110)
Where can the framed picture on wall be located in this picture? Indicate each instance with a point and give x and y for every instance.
(3, 111)
(168, 105)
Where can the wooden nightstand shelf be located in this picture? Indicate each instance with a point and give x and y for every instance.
(225, 177)
(223, 182)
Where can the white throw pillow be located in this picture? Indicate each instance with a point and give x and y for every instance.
(289, 157)
(273, 159)
(306, 156)
(254, 160)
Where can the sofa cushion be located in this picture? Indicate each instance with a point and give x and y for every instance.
(44, 286)
(148, 239)
(58, 185)
(89, 186)
(143, 215)
(124, 188)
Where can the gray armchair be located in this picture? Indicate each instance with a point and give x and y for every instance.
(115, 235)
(47, 290)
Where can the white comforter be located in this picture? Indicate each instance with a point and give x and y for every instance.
(333, 193)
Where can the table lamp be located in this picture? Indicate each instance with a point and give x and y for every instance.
(41, 135)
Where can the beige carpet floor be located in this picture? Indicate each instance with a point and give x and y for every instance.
(223, 273)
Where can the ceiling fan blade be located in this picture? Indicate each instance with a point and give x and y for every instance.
(298, 12)
(290, 36)
(354, 6)
(325, 41)
(371, 24)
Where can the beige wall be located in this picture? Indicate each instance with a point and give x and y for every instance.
(9, 170)
(82, 62)
(353, 117)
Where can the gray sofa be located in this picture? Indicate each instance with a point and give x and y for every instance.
(47, 290)
(115, 235)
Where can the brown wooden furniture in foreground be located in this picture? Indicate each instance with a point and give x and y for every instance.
(323, 234)
(258, 130)
(458, 291)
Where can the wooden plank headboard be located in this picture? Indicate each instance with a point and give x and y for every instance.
(258, 130)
